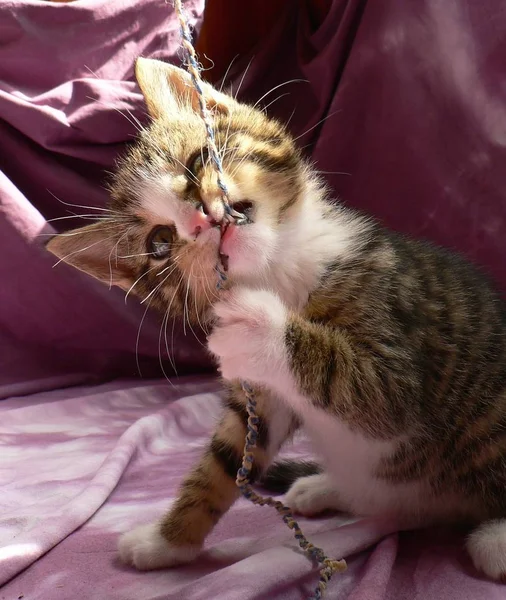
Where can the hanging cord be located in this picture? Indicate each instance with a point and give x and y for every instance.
(330, 566)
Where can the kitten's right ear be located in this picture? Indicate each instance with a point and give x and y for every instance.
(94, 250)
(168, 89)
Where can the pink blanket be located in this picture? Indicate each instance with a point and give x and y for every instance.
(81, 465)
(414, 132)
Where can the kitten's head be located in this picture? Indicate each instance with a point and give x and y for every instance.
(163, 233)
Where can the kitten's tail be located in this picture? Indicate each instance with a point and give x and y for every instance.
(280, 476)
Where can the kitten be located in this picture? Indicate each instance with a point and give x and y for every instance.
(389, 352)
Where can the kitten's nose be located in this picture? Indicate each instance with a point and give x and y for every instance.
(213, 212)
(205, 217)
(212, 206)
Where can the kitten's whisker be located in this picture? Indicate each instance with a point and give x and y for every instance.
(115, 249)
(136, 255)
(227, 72)
(154, 290)
(186, 302)
(264, 108)
(276, 87)
(87, 217)
(242, 78)
(243, 159)
(290, 118)
(134, 118)
(316, 125)
(160, 360)
(207, 161)
(172, 336)
(78, 205)
(173, 324)
(96, 99)
(186, 310)
(138, 339)
(135, 123)
(166, 342)
(197, 316)
(64, 258)
(204, 286)
(233, 156)
(224, 149)
(174, 262)
(130, 289)
(171, 268)
(171, 357)
(192, 176)
(332, 173)
(91, 71)
(184, 307)
(211, 290)
(68, 234)
(227, 151)
(174, 295)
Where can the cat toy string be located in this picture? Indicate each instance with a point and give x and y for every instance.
(193, 68)
(330, 566)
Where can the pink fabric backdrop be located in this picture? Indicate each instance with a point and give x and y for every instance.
(405, 99)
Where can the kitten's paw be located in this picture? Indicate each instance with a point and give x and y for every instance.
(487, 547)
(248, 338)
(311, 495)
(146, 549)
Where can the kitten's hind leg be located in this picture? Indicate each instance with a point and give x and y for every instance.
(312, 495)
(210, 489)
(487, 547)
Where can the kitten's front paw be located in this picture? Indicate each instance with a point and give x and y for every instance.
(248, 338)
(312, 495)
(146, 549)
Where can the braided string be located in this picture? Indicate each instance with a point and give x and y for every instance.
(193, 69)
(330, 566)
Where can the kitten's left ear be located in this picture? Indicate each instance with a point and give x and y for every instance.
(94, 250)
(167, 88)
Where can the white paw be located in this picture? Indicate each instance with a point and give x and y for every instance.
(248, 338)
(487, 547)
(146, 549)
(311, 495)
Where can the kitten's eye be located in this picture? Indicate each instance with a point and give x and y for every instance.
(197, 161)
(243, 206)
(159, 242)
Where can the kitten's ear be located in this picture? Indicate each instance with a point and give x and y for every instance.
(93, 249)
(168, 89)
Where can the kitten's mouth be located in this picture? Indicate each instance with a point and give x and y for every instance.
(222, 256)
(228, 225)
(224, 261)
(225, 227)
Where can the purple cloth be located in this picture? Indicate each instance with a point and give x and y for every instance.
(66, 99)
(415, 115)
(105, 458)
(68, 451)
